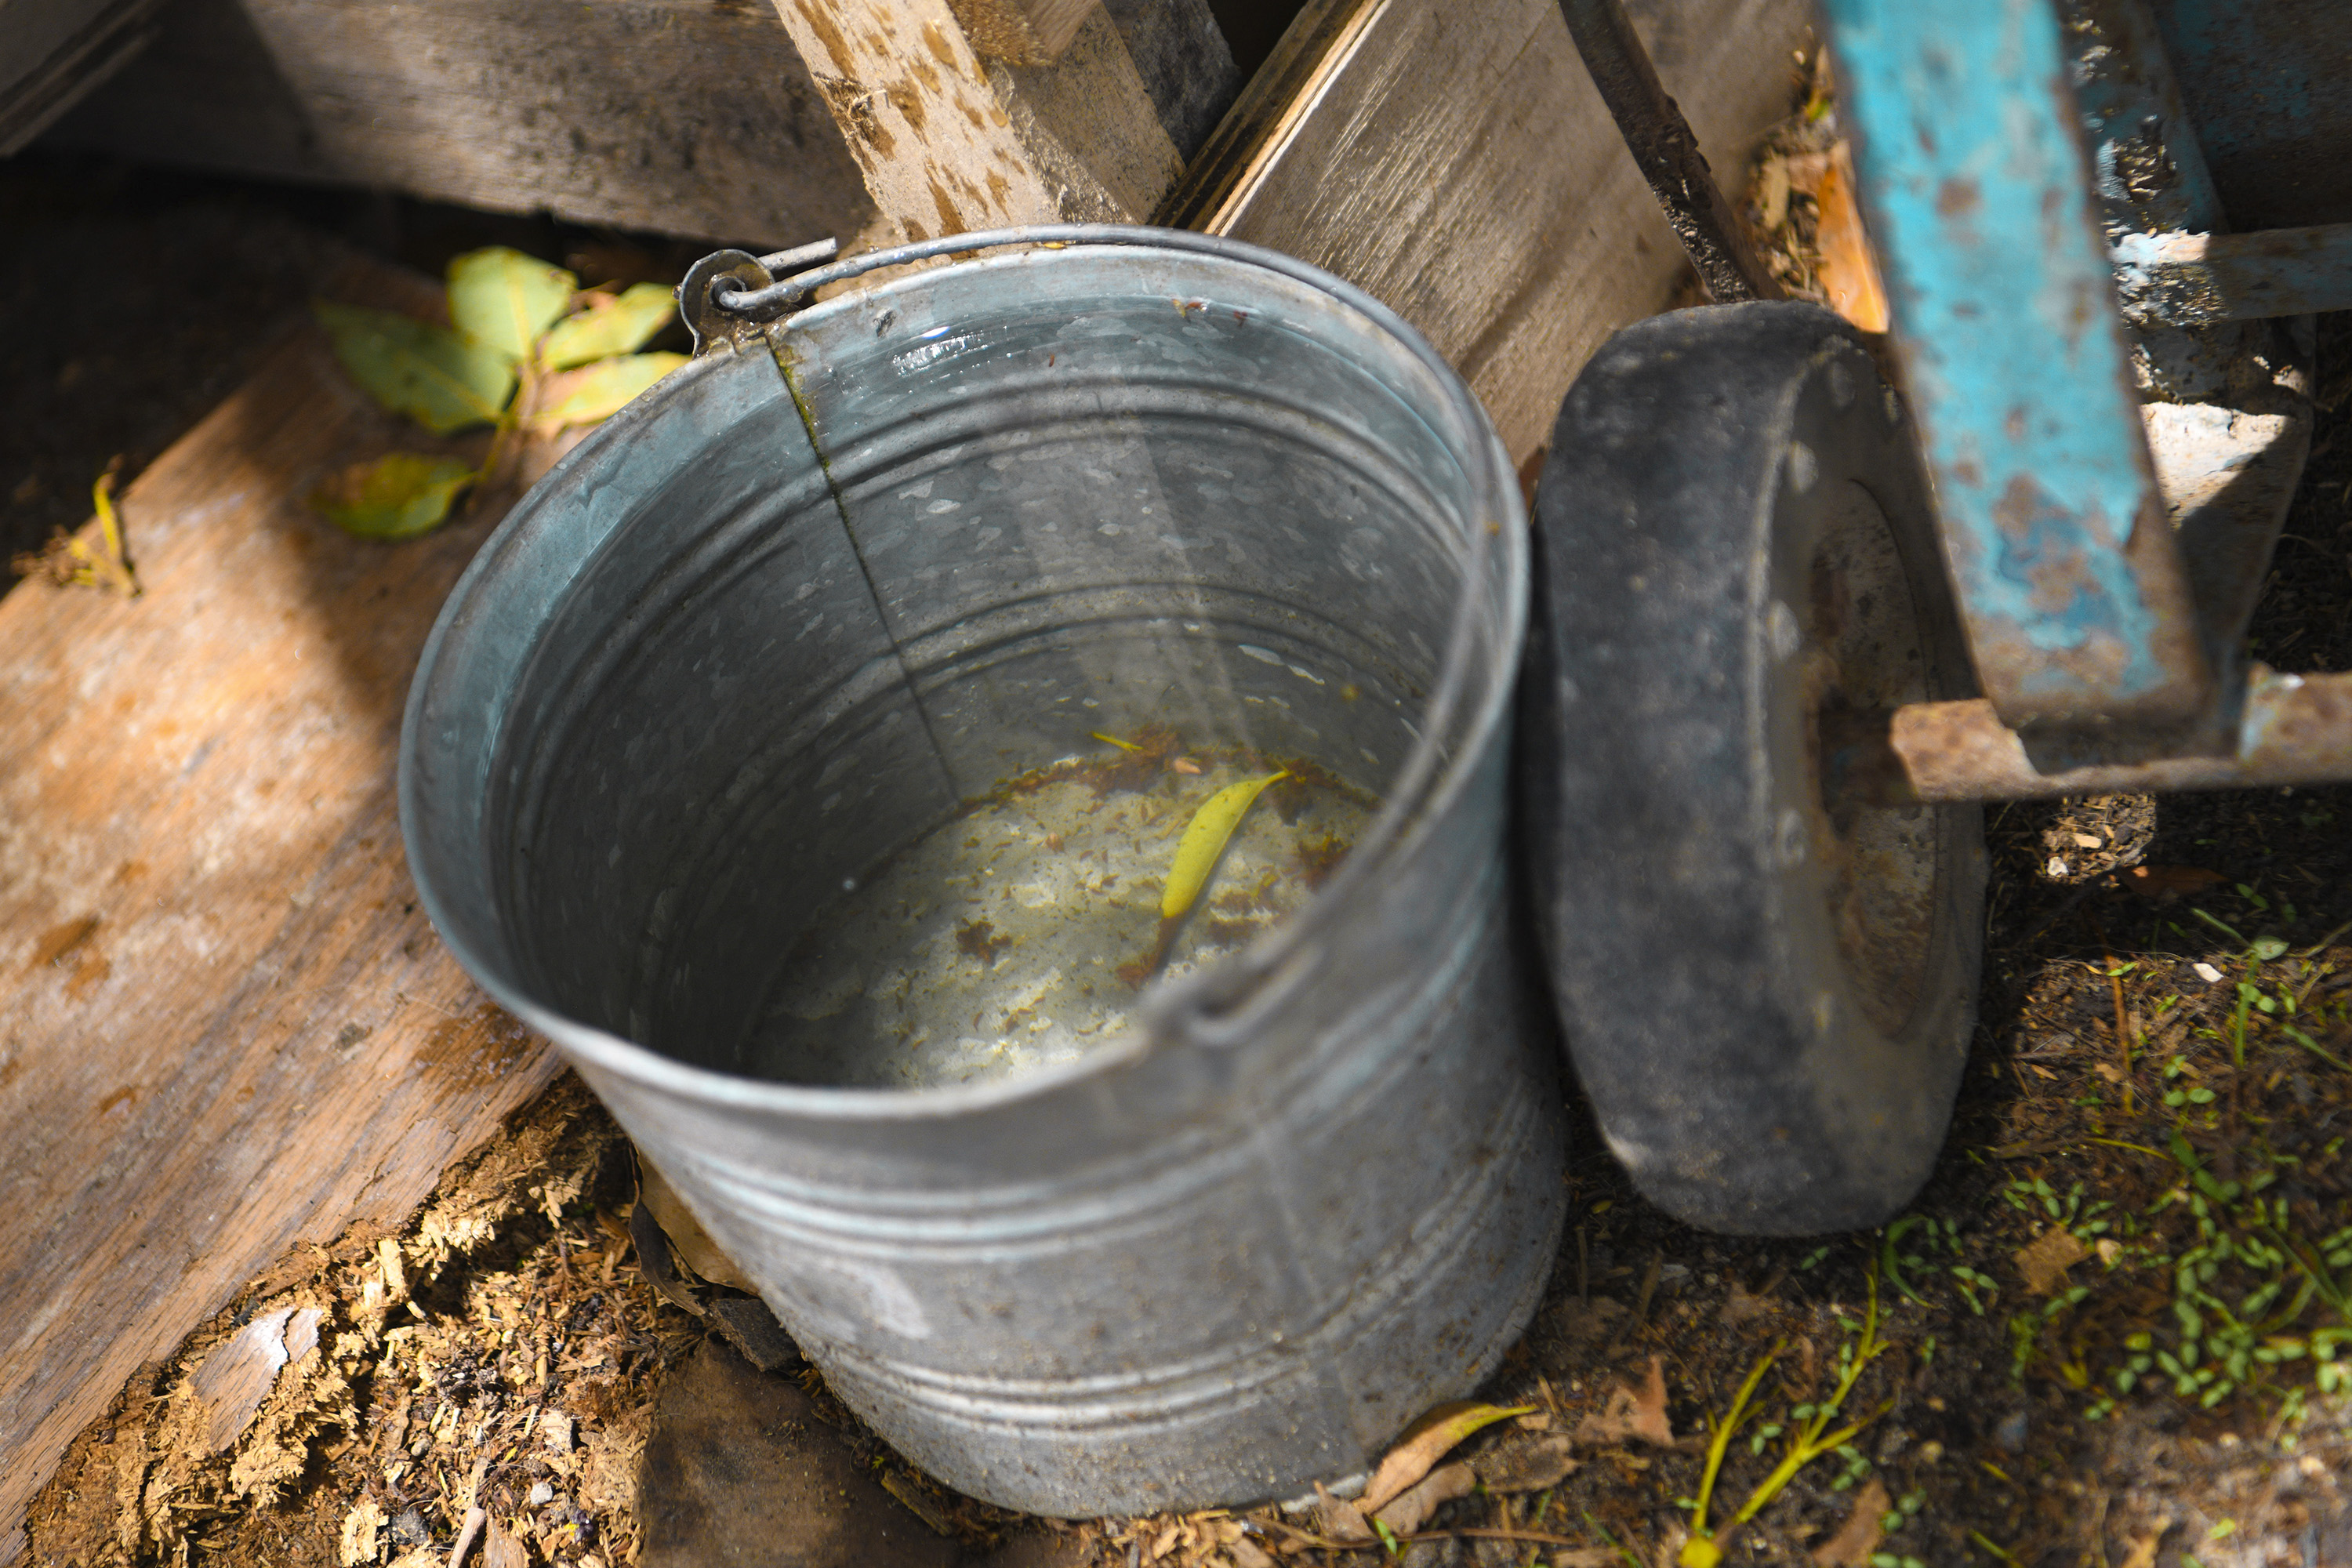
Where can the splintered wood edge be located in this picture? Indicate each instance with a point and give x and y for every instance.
(1312, 49)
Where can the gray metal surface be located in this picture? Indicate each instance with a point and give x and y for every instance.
(788, 612)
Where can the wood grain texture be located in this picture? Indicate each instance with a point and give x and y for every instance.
(685, 117)
(1022, 32)
(949, 142)
(1452, 158)
(226, 1028)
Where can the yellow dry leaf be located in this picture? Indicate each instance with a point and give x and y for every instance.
(596, 391)
(69, 560)
(1205, 841)
(604, 326)
(1849, 274)
(503, 300)
(1425, 1442)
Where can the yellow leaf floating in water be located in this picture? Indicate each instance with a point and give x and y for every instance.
(1205, 841)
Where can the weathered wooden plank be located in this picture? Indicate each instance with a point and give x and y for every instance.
(1025, 32)
(1452, 158)
(950, 139)
(226, 1028)
(690, 117)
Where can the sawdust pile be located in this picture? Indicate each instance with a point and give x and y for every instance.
(500, 1351)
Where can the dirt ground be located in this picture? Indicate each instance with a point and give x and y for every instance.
(2112, 1331)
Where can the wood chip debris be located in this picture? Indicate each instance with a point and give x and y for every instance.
(498, 1353)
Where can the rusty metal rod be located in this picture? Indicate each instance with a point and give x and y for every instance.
(2296, 729)
(1661, 141)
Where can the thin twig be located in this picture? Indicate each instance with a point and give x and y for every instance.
(2313, 951)
(1640, 1305)
(1481, 1533)
(475, 1516)
(2122, 1019)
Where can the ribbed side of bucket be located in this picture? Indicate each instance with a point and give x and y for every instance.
(783, 617)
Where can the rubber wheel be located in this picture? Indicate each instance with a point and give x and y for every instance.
(1768, 993)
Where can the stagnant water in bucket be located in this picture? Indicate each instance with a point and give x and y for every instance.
(1019, 934)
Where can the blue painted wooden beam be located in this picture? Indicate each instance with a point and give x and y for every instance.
(1975, 180)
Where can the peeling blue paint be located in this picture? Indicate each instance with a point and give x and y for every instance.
(1979, 191)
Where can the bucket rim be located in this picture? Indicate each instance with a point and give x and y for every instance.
(1209, 1009)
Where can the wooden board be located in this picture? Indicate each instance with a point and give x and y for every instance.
(1452, 158)
(950, 139)
(689, 117)
(226, 1028)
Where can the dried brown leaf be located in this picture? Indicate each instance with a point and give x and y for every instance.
(1849, 274)
(1858, 1537)
(1428, 1441)
(1339, 1519)
(1247, 1553)
(1631, 1412)
(2168, 882)
(1739, 1307)
(1411, 1509)
(1529, 1463)
(2043, 1262)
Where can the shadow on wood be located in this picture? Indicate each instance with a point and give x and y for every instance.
(229, 1028)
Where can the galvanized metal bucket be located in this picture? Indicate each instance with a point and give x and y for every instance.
(786, 613)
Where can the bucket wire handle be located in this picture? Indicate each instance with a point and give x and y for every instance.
(707, 294)
(731, 291)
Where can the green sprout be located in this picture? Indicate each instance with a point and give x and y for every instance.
(1808, 1440)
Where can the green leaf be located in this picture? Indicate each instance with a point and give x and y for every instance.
(608, 326)
(504, 299)
(437, 378)
(398, 497)
(599, 391)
